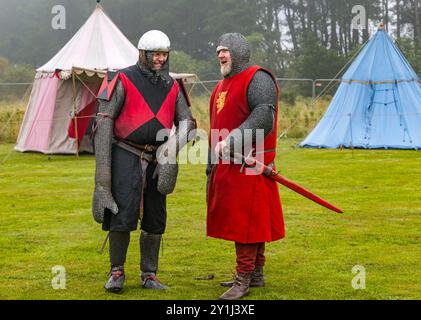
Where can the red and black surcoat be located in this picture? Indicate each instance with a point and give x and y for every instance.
(147, 109)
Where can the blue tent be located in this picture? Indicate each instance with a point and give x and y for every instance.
(377, 104)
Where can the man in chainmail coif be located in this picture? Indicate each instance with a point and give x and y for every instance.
(243, 205)
(135, 168)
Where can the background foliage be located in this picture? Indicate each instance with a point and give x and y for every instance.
(294, 38)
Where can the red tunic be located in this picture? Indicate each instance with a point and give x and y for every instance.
(242, 208)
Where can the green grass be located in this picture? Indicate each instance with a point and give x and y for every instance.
(45, 220)
(11, 116)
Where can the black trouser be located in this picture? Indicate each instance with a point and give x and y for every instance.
(126, 190)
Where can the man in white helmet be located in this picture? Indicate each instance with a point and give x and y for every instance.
(131, 173)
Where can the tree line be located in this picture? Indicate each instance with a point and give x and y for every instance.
(294, 38)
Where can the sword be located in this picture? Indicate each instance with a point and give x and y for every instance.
(276, 176)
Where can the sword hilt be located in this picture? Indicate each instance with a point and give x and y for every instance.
(244, 159)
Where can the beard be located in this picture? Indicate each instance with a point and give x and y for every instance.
(226, 69)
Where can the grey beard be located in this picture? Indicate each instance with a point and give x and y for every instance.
(226, 70)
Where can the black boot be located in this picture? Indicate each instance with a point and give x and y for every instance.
(257, 279)
(149, 252)
(239, 289)
(115, 283)
(119, 242)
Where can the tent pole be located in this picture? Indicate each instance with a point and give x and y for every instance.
(75, 112)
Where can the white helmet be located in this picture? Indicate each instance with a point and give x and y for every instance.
(154, 40)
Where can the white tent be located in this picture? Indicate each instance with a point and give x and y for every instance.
(67, 85)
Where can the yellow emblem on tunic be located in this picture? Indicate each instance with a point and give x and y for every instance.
(220, 103)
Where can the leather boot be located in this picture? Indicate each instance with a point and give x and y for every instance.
(239, 289)
(150, 281)
(257, 279)
(149, 253)
(115, 283)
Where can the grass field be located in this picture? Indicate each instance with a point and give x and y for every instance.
(45, 220)
(11, 116)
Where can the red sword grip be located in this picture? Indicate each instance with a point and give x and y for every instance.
(261, 167)
(306, 193)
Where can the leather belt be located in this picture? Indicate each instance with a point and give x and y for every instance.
(142, 154)
(144, 148)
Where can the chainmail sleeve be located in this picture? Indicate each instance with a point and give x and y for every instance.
(261, 91)
(261, 96)
(103, 136)
(182, 110)
(167, 153)
(107, 112)
(184, 123)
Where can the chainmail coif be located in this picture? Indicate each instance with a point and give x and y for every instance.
(240, 51)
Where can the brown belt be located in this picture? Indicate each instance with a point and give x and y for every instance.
(142, 154)
(141, 147)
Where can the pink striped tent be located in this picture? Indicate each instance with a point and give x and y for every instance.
(67, 84)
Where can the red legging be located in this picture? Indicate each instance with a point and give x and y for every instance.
(249, 256)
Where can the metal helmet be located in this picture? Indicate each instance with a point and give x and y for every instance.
(154, 40)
